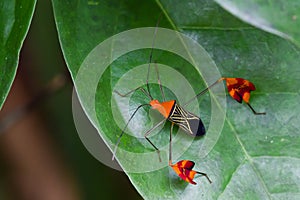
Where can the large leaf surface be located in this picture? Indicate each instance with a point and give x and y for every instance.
(15, 18)
(256, 157)
(278, 17)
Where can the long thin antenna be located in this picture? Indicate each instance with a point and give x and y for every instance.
(159, 83)
(131, 91)
(151, 53)
(119, 139)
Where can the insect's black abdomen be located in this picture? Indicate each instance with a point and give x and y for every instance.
(197, 127)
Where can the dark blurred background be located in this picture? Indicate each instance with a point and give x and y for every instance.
(41, 154)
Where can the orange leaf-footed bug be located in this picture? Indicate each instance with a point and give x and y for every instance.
(238, 88)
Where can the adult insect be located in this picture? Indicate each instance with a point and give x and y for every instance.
(177, 115)
(170, 110)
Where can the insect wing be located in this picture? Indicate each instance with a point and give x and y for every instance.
(187, 121)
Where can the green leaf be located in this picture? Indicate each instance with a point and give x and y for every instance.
(15, 18)
(277, 17)
(255, 157)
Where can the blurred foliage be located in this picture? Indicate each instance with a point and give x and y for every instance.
(15, 17)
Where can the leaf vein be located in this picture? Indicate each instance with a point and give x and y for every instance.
(249, 158)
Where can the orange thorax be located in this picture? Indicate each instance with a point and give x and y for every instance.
(164, 107)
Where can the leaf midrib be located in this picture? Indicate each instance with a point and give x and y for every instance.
(249, 158)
